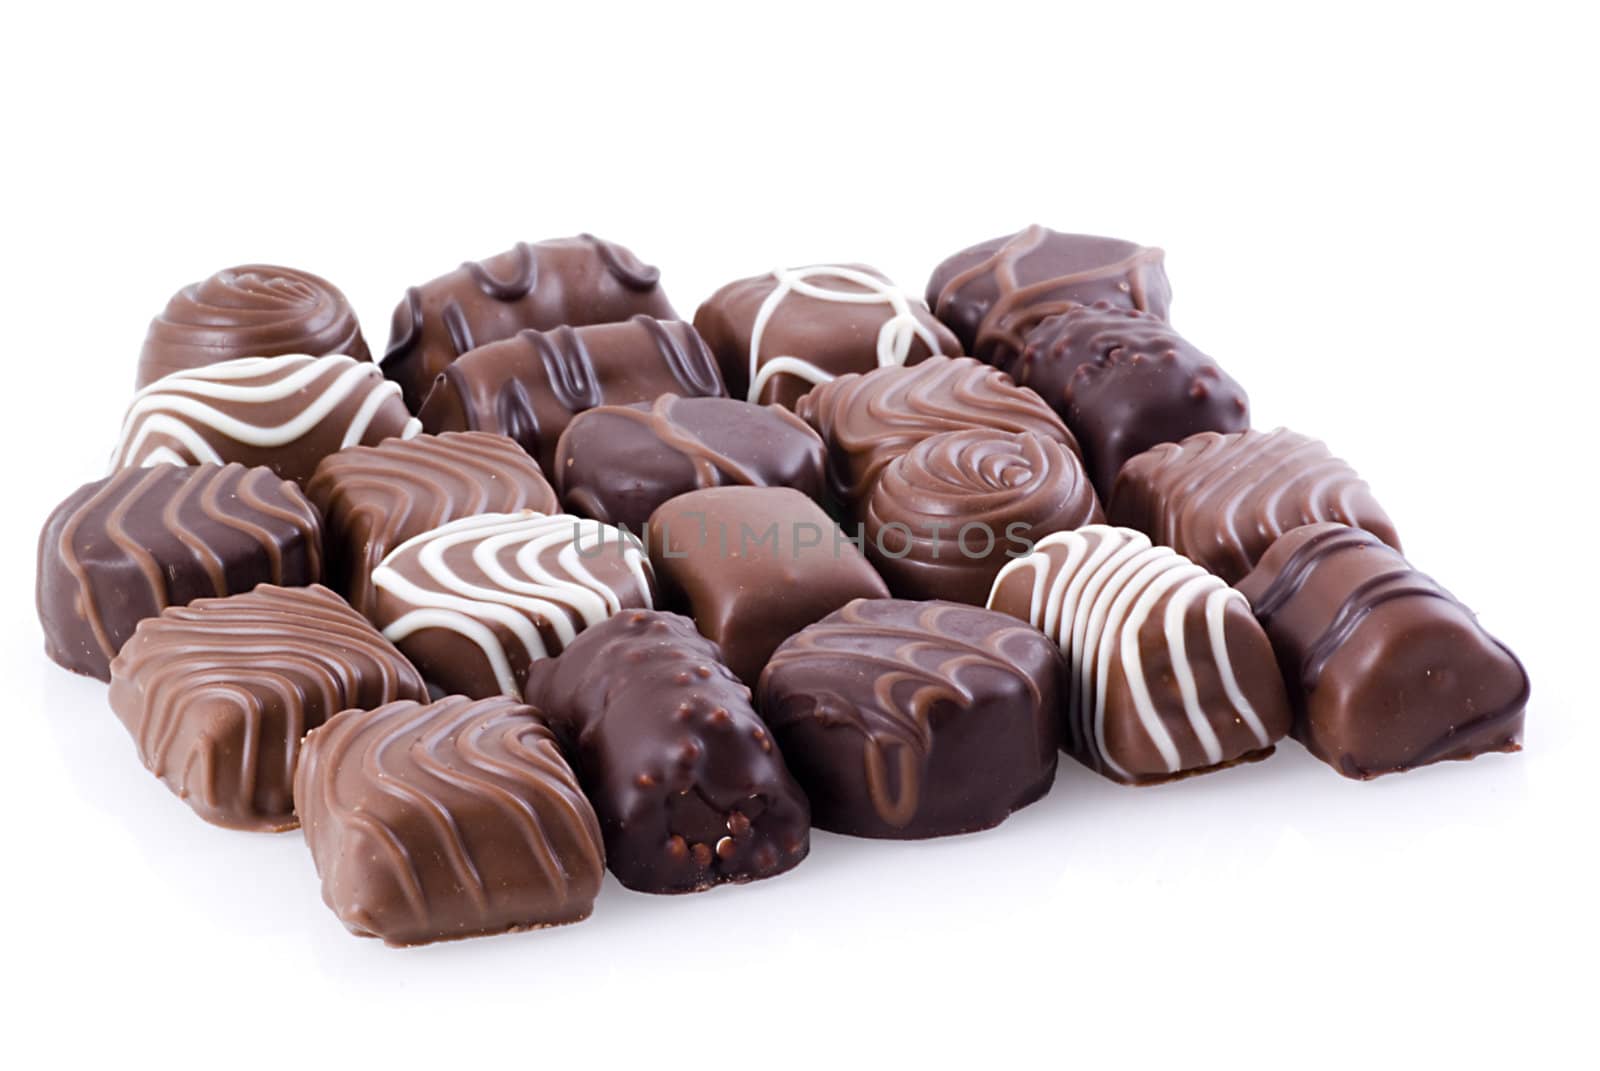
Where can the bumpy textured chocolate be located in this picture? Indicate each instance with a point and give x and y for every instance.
(1125, 381)
(455, 819)
(690, 790)
(542, 285)
(287, 413)
(124, 548)
(778, 335)
(617, 463)
(373, 498)
(475, 602)
(755, 565)
(529, 387)
(915, 719)
(255, 310)
(1168, 672)
(219, 693)
(1220, 500)
(868, 420)
(1386, 670)
(994, 293)
(946, 516)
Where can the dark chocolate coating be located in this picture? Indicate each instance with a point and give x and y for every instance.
(915, 719)
(1386, 669)
(617, 463)
(690, 789)
(537, 286)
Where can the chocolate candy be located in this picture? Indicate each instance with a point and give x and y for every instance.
(373, 498)
(993, 294)
(286, 413)
(915, 719)
(255, 310)
(778, 335)
(617, 463)
(1386, 669)
(869, 420)
(1124, 381)
(1169, 674)
(219, 693)
(474, 602)
(580, 280)
(124, 548)
(1221, 500)
(755, 565)
(455, 819)
(690, 790)
(529, 387)
(947, 515)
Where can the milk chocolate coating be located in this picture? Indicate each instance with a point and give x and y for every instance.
(1386, 670)
(529, 387)
(1169, 674)
(755, 565)
(779, 334)
(690, 790)
(254, 310)
(219, 693)
(1221, 500)
(1124, 381)
(946, 516)
(915, 719)
(124, 548)
(617, 463)
(455, 819)
(373, 498)
(994, 293)
(537, 286)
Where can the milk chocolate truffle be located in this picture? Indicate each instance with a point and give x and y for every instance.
(124, 548)
(690, 790)
(373, 498)
(455, 819)
(1124, 381)
(777, 335)
(1220, 500)
(617, 463)
(542, 285)
(475, 602)
(915, 719)
(255, 310)
(755, 565)
(1387, 671)
(994, 293)
(287, 413)
(529, 387)
(1169, 674)
(945, 517)
(219, 693)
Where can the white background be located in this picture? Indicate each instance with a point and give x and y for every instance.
(1381, 221)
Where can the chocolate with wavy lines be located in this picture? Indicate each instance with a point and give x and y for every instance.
(287, 413)
(373, 498)
(254, 310)
(948, 514)
(476, 601)
(915, 719)
(1168, 672)
(1221, 500)
(455, 819)
(537, 286)
(124, 548)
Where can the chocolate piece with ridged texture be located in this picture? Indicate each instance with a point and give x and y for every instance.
(690, 789)
(124, 548)
(456, 819)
